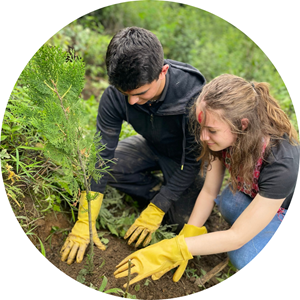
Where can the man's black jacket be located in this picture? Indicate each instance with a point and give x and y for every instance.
(164, 126)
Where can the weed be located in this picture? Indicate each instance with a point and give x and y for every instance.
(113, 290)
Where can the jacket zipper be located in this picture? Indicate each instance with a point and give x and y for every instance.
(151, 120)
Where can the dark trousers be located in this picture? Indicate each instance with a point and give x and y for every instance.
(134, 175)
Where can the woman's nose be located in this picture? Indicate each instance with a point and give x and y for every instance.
(204, 135)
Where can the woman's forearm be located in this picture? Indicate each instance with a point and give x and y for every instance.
(214, 242)
(202, 210)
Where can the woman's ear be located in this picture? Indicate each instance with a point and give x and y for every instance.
(244, 123)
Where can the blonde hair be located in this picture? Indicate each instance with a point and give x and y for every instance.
(237, 99)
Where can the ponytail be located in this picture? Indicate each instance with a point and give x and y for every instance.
(276, 122)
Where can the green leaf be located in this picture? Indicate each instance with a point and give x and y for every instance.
(6, 127)
(3, 137)
(112, 229)
(103, 284)
(16, 128)
(105, 241)
(137, 287)
(114, 290)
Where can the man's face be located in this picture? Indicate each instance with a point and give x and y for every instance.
(147, 92)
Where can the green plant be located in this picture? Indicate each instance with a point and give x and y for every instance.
(55, 80)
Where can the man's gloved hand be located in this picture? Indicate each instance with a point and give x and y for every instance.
(78, 240)
(187, 231)
(164, 255)
(146, 224)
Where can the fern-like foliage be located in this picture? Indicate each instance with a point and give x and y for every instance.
(54, 80)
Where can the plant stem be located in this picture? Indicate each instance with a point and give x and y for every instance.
(128, 278)
(60, 98)
(87, 188)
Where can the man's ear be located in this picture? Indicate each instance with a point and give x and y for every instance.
(244, 123)
(164, 71)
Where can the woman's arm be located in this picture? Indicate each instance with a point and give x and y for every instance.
(254, 219)
(210, 190)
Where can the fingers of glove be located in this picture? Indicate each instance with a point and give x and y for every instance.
(130, 231)
(134, 280)
(98, 243)
(123, 270)
(142, 237)
(65, 250)
(125, 260)
(148, 239)
(158, 275)
(73, 253)
(135, 235)
(80, 253)
(180, 270)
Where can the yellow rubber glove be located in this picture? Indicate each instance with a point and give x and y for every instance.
(148, 221)
(167, 254)
(187, 231)
(78, 239)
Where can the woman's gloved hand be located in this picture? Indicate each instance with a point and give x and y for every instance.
(148, 221)
(78, 240)
(187, 231)
(153, 259)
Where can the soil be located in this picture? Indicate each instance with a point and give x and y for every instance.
(117, 249)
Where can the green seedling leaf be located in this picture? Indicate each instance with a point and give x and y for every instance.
(103, 262)
(137, 287)
(43, 251)
(105, 241)
(147, 282)
(104, 283)
(80, 278)
(114, 290)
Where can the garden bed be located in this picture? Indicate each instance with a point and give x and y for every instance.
(117, 249)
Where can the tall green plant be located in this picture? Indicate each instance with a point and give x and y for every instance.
(54, 80)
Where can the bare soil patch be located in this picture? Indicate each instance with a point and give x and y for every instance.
(117, 249)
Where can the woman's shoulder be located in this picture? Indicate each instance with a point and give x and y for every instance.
(283, 149)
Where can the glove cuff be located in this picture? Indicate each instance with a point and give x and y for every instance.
(95, 206)
(156, 209)
(191, 230)
(183, 248)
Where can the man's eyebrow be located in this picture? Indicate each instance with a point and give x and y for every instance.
(142, 93)
(138, 94)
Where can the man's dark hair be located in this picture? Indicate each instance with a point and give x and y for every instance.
(134, 58)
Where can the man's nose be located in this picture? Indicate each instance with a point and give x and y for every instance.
(133, 99)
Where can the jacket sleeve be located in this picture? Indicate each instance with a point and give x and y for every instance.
(109, 122)
(182, 178)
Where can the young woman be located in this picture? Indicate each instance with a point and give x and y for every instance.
(242, 128)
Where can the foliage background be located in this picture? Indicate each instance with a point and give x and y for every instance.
(273, 19)
(187, 34)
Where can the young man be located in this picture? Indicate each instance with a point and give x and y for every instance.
(154, 96)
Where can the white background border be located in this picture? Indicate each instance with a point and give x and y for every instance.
(272, 25)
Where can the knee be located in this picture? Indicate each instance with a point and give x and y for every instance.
(239, 258)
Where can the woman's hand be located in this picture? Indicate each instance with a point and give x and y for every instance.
(151, 260)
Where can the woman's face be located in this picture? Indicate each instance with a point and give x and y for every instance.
(215, 132)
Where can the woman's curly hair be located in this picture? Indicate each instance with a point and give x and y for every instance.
(237, 99)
